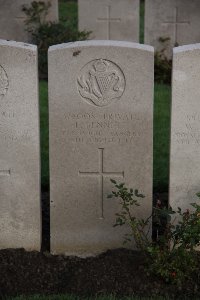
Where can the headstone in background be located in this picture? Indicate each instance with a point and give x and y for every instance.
(12, 18)
(101, 127)
(110, 19)
(185, 127)
(178, 20)
(20, 221)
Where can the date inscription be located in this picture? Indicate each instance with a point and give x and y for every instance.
(105, 128)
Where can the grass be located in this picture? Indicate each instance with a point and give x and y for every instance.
(44, 134)
(161, 135)
(142, 22)
(162, 100)
(68, 297)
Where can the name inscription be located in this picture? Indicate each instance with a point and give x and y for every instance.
(105, 128)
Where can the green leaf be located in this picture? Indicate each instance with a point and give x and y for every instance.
(121, 185)
(179, 210)
(113, 181)
(115, 194)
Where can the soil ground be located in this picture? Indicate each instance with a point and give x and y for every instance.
(119, 272)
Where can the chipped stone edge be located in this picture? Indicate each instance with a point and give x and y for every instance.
(103, 43)
(15, 44)
(186, 48)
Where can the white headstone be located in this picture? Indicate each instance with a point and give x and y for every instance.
(101, 118)
(20, 222)
(12, 26)
(110, 19)
(185, 127)
(178, 20)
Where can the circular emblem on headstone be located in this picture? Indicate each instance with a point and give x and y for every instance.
(3, 81)
(101, 82)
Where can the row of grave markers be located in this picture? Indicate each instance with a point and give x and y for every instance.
(101, 127)
(167, 24)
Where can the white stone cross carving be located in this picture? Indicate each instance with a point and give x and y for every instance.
(20, 18)
(108, 19)
(101, 174)
(176, 23)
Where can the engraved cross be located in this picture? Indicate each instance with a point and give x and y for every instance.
(108, 19)
(100, 175)
(20, 18)
(176, 23)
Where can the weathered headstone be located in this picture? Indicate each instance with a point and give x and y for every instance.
(12, 18)
(178, 20)
(185, 127)
(20, 222)
(100, 103)
(110, 19)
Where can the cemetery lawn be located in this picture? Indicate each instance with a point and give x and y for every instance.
(44, 134)
(142, 22)
(162, 106)
(161, 136)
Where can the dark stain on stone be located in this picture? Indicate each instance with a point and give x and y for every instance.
(76, 53)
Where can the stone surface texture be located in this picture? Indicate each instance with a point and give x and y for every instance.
(110, 19)
(12, 19)
(185, 127)
(20, 222)
(101, 118)
(178, 20)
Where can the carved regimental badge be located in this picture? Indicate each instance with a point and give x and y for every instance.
(3, 82)
(101, 82)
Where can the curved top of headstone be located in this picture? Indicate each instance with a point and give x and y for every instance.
(186, 48)
(18, 45)
(104, 43)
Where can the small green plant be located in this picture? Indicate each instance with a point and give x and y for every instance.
(36, 14)
(172, 255)
(128, 198)
(45, 34)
